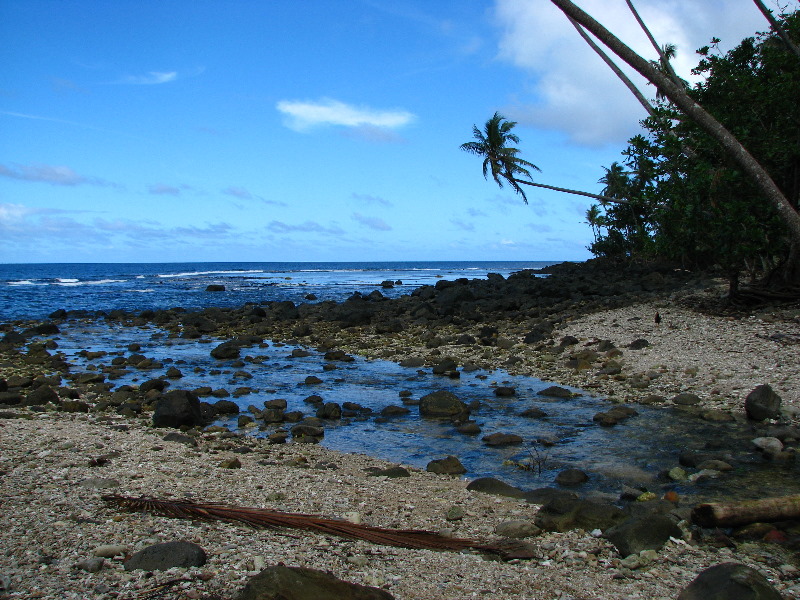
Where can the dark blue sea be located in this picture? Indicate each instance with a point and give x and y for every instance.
(36, 290)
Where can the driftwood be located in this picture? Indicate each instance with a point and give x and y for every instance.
(718, 514)
(266, 519)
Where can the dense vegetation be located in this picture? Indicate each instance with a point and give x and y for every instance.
(687, 201)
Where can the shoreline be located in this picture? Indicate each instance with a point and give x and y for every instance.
(53, 517)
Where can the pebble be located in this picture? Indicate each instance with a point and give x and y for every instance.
(109, 551)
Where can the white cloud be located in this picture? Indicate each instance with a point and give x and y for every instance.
(56, 175)
(151, 78)
(302, 116)
(572, 90)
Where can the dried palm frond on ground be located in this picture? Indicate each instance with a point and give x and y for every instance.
(264, 518)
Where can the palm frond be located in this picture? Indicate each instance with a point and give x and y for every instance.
(266, 519)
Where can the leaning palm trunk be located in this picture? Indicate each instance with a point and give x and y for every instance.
(715, 514)
(778, 28)
(603, 199)
(266, 519)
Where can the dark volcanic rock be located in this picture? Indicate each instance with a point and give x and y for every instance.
(442, 404)
(645, 532)
(298, 583)
(762, 403)
(502, 439)
(555, 391)
(490, 485)
(226, 350)
(160, 557)
(446, 466)
(730, 581)
(176, 408)
(571, 477)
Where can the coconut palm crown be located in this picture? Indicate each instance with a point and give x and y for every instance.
(498, 156)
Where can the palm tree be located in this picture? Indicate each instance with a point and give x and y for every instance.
(593, 219)
(502, 160)
(732, 147)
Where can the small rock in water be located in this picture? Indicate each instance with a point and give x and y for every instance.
(571, 477)
(446, 466)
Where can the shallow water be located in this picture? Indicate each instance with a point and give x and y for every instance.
(633, 452)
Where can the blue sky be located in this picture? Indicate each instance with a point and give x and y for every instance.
(311, 130)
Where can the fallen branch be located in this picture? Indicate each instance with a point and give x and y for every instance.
(716, 514)
(265, 519)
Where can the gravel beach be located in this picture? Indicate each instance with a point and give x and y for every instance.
(55, 466)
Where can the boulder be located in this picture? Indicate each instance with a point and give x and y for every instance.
(442, 404)
(446, 466)
(555, 391)
(298, 583)
(729, 581)
(41, 395)
(226, 350)
(502, 439)
(571, 477)
(176, 408)
(495, 487)
(762, 403)
(644, 532)
(160, 557)
(562, 513)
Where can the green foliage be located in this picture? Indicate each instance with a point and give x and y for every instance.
(690, 202)
(500, 159)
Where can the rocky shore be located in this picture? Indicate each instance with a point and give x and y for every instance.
(649, 336)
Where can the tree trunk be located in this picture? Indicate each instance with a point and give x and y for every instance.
(714, 514)
(678, 96)
(778, 28)
(664, 60)
(602, 199)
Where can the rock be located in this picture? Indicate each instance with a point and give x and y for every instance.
(394, 411)
(686, 399)
(571, 477)
(446, 466)
(176, 408)
(160, 557)
(312, 380)
(502, 439)
(643, 532)
(215, 287)
(517, 529)
(638, 344)
(181, 438)
(226, 350)
(469, 428)
(455, 513)
(330, 410)
(390, 473)
(153, 384)
(495, 487)
(41, 395)
(298, 583)
(226, 407)
(729, 581)
(442, 404)
(762, 403)
(533, 413)
(768, 445)
(230, 463)
(91, 565)
(563, 513)
(110, 550)
(307, 433)
(504, 392)
(555, 391)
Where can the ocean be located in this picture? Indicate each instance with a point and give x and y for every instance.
(33, 291)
